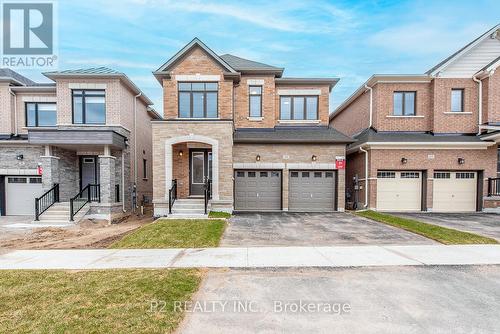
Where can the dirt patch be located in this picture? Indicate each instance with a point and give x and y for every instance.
(86, 234)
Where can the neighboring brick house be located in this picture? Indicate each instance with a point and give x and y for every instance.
(89, 127)
(427, 142)
(261, 141)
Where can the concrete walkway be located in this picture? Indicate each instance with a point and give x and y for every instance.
(253, 257)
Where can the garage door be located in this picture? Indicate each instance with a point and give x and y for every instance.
(311, 191)
(257, 190)
(399, 191)
(454, 191)
(20, 194)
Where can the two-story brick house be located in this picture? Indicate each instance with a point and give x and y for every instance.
(85, 136)
(262, 141)
(428, 141)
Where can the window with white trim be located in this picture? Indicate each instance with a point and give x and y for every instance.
(404, 103)
(299, 108)
(465, 175)
(457, 100)
(442, 175)
(255, 103)
(410, 175)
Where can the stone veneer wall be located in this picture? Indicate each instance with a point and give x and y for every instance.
(220, 132)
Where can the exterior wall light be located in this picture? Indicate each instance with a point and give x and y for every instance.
(314, 158)
(461, 161)
(20, 157)
(404, 160)
(181, 153)
(257, 158)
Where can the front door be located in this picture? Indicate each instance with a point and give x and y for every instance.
(89, 171)
(200, 168)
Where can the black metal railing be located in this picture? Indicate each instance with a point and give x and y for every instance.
(207, 187)
(45, 201)
(172, 196)
(494, 186)
(90, 193)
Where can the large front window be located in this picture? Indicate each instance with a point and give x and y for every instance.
(89, 107)
(298, 107)
(198, 99)
(404, 104)
(41, 114)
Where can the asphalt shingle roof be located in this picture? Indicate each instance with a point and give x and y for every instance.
(8, 73)
(239, 63)
(370, 135)
(291, 134)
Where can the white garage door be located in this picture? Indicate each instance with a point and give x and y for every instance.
(20, 194)
(454, 191)
(399, 191)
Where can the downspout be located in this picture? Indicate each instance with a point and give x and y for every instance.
(123, 182)
(135, 147)
(371, 104)
(15, 111)
(366, 176)
(480, 103)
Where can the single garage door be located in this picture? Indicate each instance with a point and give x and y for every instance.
(257, 190)
(311, 191)
(454, 191)
(20, 194)
(399, 191)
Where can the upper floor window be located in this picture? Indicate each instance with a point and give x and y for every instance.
(404, 103)
(41, 114)
(457, 100)
(299, 107)
(198, 99)
(89, 107)
(255, 93)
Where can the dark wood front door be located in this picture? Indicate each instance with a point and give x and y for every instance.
(200, 168)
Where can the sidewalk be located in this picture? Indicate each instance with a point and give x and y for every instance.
(257, 257)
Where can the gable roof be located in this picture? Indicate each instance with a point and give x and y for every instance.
(242, 64)
(16, 78)
(460, 52)
(163, 70)
(102, 71)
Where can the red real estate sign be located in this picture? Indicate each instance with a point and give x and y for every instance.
(340, 164)
(39, 170)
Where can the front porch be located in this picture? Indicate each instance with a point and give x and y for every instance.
(80, 181)
(189, 155)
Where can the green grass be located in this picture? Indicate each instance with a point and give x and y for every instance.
(444, 235)
(175, 233)
(104, 301)
(219, 214)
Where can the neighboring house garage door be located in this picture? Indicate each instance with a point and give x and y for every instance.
(257, 190)
(399, 191)
(454, 191)
(311, 191)
(20, 194)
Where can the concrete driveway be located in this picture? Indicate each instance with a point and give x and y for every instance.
(458, 299)
(485, 224)
(308, 229)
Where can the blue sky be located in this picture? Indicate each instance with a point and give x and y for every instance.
(346, 39)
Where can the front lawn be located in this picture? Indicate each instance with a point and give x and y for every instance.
(175, 233)
(104, 301)
(219, 214)
(444, 235)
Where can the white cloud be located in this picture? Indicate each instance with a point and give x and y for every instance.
(425, 38)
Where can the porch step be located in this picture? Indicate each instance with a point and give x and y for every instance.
(186, 208)
(59, 213)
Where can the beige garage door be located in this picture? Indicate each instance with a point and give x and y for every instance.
(454, 191)
(399, 191)
(20, 194)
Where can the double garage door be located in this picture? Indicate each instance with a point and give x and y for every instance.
(261, 190)
(20, 194)
(402, 191)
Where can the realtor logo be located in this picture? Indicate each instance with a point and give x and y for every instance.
(28, 34)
